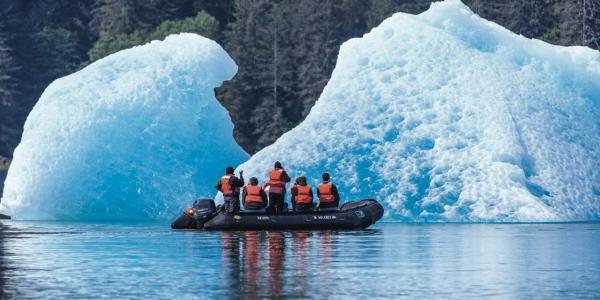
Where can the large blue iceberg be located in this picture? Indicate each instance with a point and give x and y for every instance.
(134, 136)
(445, 116)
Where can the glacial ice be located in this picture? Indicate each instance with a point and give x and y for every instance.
(445, 116)
(134, 136)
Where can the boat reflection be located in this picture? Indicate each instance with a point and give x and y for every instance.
(276, 246)
(259, 264)
(301, 252)
(251, 256)
(230, 257)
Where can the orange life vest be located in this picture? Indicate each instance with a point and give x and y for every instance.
(253, 194)
(326, 192)
(275, 177)
(226, 187)
(303, 196)
(276, 185)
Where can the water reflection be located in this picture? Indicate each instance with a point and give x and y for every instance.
(6, 270)
(276, 246)
(3, 267)
(301, 247)
(230, 243)
(450, 261)
(252, 250)
(278, 264)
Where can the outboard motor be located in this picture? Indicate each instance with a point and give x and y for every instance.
(195, 216)
(204, 210)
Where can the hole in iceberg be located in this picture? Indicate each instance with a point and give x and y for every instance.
(426, 143)
(536, 189)
(449, 198)
(391, 135)
(413, 124)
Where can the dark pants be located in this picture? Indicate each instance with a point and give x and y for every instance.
(303, 207)
(276, 202)
(333, 204)
(254, 208)
(231, 204)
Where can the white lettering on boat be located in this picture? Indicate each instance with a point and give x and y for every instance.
(324, 217)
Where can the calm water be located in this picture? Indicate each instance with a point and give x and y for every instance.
(119, 261)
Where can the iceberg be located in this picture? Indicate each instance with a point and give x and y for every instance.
(134, 136)
(445, 116)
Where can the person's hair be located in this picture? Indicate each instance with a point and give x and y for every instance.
(253, 181)
(325, 176)
(277, 165)
(229, 170)
(301, 180)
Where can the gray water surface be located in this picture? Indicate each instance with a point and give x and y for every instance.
(57, 260)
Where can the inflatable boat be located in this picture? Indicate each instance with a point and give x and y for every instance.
(352, 215)
(4, 217)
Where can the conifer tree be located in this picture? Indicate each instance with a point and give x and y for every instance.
(58, 55)
(114, 16)
(8, 70)
(379, 10)
(591, 23)
(9, 94)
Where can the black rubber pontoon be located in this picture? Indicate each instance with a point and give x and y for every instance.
(351, 215)
(4, 217)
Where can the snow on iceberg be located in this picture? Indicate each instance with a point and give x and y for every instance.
(134, 136)
(445, 116)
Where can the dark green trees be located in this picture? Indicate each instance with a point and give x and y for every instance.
(258, 41)
(109, 43)
(8, 72)
(285, 51)
(114, 16)
(9, 93)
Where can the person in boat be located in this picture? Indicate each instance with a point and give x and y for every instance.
(254, 197)
(302, 195)
(230, 186)
(329, 198)
(276, 184)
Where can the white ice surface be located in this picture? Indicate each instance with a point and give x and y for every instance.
(446, 116)
(134, 136)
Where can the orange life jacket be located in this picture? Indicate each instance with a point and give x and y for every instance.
(303, 196)
(253, 194)
(226, 187)
(275, 177)
(326, 192)
(276, 185)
